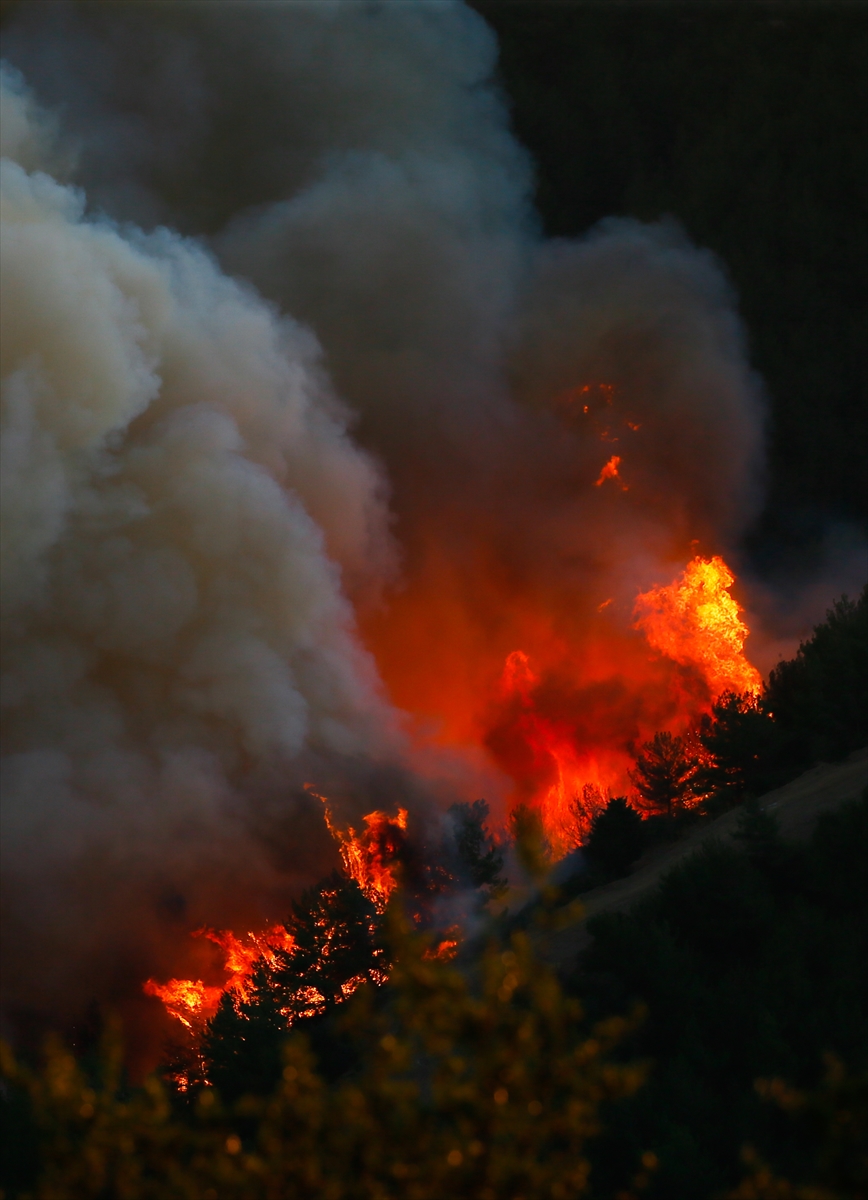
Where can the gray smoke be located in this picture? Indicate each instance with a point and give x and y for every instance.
(219, 452)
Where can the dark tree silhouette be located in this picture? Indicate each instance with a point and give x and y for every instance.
(820, 697)
(337, 948)
(479, 860)
(744, 747)
(664, 775)
(617, 836)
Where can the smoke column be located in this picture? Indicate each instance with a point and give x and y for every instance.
(303, 419)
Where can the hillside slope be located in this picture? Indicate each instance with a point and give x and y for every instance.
(796, 805)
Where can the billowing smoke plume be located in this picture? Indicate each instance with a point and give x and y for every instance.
(180, 497)
(195, 517)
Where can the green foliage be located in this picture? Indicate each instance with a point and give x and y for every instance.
(480, 861)
(617, 837)
(750, 961)
(820, 698)
(486, 1092)
(665, 775)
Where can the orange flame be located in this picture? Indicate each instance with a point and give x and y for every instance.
(696, 622)
(369, 857)
(189, 1000)
(610, 471)
(193, 1002)
(446, 949)
(569, 746)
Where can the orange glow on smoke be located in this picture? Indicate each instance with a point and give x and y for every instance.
(569, 746)
(696, 622)
(193, 1002)
(576, 787)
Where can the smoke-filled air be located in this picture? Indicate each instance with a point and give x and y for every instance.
(322, 466)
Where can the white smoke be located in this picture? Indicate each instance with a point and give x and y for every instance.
(180, 498)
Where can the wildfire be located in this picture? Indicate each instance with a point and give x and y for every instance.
(569, 746)
(193, 1002)
(573, 791)
(696, 622)
(369, 857)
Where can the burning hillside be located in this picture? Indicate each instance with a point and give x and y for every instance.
(323, 467)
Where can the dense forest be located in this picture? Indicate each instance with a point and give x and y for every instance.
(713, 1038)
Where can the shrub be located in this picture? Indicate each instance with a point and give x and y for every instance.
(617, 836)
(482, 1092)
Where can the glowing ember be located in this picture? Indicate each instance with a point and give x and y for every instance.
(446, 948)
(193, 1002)
(696, 622)
(610, 471)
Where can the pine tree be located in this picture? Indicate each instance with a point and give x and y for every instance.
(664, 776)
(337, 947)
(744, 745)
(617, 836)
(820, 697)
(479, 860)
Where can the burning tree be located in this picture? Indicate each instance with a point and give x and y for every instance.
(584, 808)
(665, 775)
(483, 1089)
(336, 947)
(330, 945)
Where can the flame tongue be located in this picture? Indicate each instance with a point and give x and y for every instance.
(369, 856)
(696, 622)
(193, 1002)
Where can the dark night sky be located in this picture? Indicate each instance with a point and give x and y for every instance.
(747, 122)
